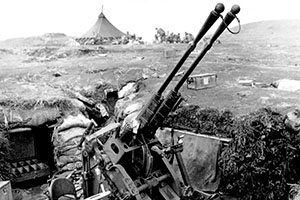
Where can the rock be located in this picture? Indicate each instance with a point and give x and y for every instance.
(287, 85)
(292, 120)
(244, 93)
(294, 193)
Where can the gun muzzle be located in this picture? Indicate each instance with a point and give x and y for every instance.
(230, 16)
(211, 19)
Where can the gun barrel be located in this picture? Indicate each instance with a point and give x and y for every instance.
(174, 96)
(153, 104)
(211, 19)
(227, 20)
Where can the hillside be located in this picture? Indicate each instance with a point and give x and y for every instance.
(273, 32)
(267, 51)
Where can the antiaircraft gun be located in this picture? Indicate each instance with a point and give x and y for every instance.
(132, 163)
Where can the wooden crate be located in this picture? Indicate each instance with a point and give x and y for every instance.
(202, 81)
(5, 190)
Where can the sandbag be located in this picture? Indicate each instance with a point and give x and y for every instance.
(33, 117)
(66, 151)
(43, 116)
(65, 140)
(72, 166)
(128, 89)
(10, 116)
(74, 121)
(64, 137)
(64, 160)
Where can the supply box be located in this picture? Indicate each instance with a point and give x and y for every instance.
(202, 81)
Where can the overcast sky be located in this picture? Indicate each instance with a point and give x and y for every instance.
(23, 18)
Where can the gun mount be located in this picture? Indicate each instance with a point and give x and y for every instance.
(174, 98)
(132, 163)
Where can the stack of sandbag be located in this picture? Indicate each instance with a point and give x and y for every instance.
(19, 117)
(65, 139)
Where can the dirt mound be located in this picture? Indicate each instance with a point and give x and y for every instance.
(54, 53)
(209, 121)
(263, 156)
(55, 35)
(6, 51)
(48, 39)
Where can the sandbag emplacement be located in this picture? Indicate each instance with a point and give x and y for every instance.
(65, 140)
(33, 112)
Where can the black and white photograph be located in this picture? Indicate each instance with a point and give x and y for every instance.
(150, 100)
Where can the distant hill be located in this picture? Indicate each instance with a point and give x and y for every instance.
(273, 32)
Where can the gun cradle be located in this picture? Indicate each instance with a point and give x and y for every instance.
(141, 171)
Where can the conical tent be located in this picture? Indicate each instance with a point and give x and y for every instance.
(103, 28)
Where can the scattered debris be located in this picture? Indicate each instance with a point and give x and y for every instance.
(246, 82)
(95, 71)
(253, 83)
(103, 55)
(139, 57)
(57, 74)
(243, 94)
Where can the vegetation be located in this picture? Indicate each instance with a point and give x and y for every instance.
(263, 156)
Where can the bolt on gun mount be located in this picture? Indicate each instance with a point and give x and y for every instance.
(157, 109)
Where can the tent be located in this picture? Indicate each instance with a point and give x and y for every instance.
(103, 28)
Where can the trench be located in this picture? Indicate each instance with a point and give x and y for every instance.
(31, 157)
(32, 129)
